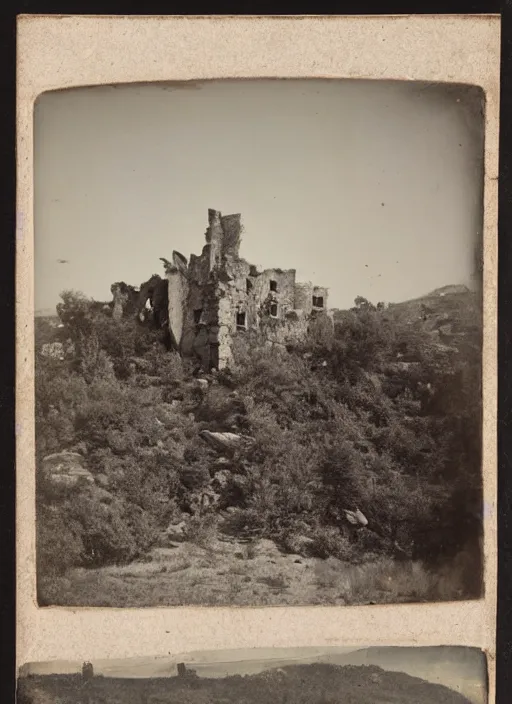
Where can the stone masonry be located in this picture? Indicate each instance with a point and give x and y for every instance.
(207, 301)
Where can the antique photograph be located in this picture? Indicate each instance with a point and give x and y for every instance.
(373, 675)
(258, 339)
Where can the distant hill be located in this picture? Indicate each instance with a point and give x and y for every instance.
(317, 683)
(462, 669)
(451, 315)
(451, 288)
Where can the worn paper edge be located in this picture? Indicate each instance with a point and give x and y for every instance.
(58, 52)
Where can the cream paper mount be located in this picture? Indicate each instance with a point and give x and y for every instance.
(61, 52)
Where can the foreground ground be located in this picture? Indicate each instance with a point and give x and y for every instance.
(229, 572)
(347, 448)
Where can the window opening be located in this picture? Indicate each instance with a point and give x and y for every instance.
(318, 301)
(240, 320)
(273, 310)
(214, 355)
(273, 285)
(197, 315)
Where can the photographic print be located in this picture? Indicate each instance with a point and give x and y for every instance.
(258, 342)
(373, 675)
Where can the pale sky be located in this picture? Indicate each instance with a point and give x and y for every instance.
(369, 188)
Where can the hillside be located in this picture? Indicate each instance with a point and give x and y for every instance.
(451, 315)
(462, 669)
(296, 684)
(344, 469)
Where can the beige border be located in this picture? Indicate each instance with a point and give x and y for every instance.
(61, 52)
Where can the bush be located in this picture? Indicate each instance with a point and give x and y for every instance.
(378, 417)
(328, 541)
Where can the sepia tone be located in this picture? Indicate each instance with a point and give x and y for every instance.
(222, 433)
(172, 47)
(358, 675)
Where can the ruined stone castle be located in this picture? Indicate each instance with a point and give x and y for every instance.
(205, 302)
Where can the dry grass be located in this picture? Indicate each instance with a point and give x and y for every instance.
(387, 582)
(230, 573)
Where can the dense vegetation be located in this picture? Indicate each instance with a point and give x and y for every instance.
(384, 417)
(300, 684)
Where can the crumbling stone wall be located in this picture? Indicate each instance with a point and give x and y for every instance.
(177, 295)
(231, 234)
(196, 309)
(214, 236)
(227, 295)
(319, 298)
(304, 297)
(125, 299)
(208, 300)
(289, 329)
(275, 292)
(152, 303)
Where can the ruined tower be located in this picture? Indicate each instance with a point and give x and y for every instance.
(217, 295)
(87, 671)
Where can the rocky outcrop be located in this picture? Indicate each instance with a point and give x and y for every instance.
(176, 531)
(224, 441)
(66, 469)
(356, 518)
(53, 350)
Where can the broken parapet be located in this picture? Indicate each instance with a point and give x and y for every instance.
(223, 236)
(232, 234)
(214, 236)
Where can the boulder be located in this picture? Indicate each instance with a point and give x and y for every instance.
(66, 469)
(356, 518)
(176, 531)
(222, 478)
(222, 462)
(224, 441)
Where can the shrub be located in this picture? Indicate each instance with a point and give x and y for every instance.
(201, 529)
(59, 543)
(377, 417)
